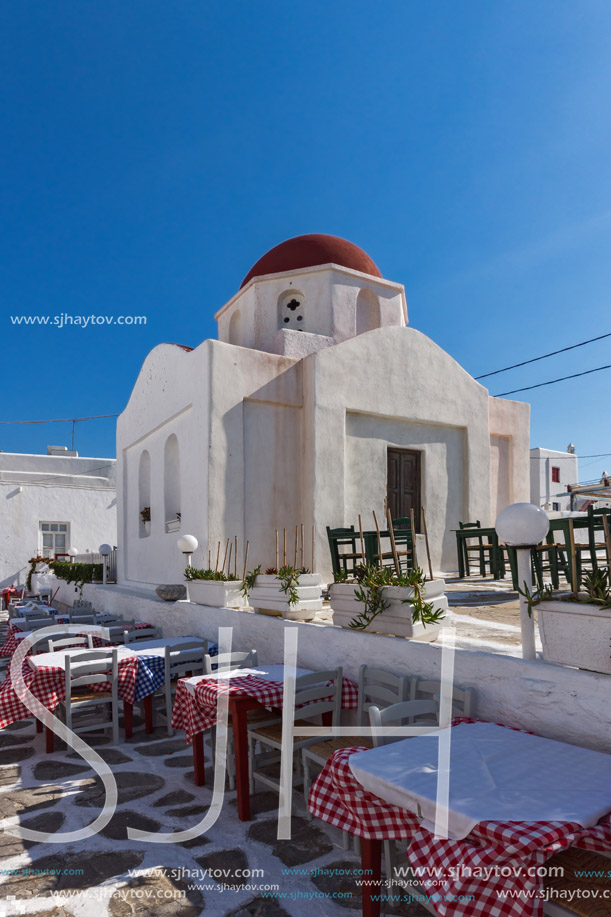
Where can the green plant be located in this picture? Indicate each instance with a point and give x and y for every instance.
(145, 513)
(341, 576)
(596, 584)
(192, 573)
(249, 580)
(77, 573)
(544, 594)
(289, 580)
(372, 581)
(33, 562)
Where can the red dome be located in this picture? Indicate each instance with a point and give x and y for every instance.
(310, 250)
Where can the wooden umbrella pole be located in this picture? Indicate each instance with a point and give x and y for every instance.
(375, 519)
(573, 558)
(235, 558)
(302, 559)
(284, 547)
(218, 554)
(362, 539)
(412, 523)
(225, 556)
(296, 543)
(209, 560)
(607, 538)
(229, 559)
(313, 541)
(391, 532)
(426, 541)
(245, 560)
(277, 551)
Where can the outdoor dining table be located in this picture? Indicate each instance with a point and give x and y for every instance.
(195, 710)
(16, 633)
(141, 672)
(515, 800)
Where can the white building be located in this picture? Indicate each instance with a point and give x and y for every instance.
(50, 503)
(317, 403)
(550, 474)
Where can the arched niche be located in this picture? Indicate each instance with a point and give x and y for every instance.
(144, 494)
(291, 311)
(367, 311)
(171, 484)
(235, 329)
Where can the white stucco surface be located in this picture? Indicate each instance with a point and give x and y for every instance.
(279, 427)
(75, 490)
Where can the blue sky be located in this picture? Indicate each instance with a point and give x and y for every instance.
(153, 151)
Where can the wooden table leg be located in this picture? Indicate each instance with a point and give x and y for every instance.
(128, 710)
(198, 759)
(39, 726)
(148, 713)
(50, 736)
(371, 865)
(239, 720)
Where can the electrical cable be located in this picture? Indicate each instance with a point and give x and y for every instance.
(527, 388)
(544, 356)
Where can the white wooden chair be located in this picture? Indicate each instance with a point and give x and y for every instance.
(182, 660)
(82, 619)
(236, 660)
(313, 696)
(71, 642)
(92, 668)
(376, 686)
(463, 699)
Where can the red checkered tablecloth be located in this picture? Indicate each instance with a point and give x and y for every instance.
(48, 685)
(13, 638)
(196, 711)
(484, 875)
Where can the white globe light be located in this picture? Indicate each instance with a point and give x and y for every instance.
(72, 552)
(105, 550)
(187, 544)
(522, 524)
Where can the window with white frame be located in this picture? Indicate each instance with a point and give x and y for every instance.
(54, 538)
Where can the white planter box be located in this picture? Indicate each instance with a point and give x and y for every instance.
(395, 620)
(576, 634)
(216, 592)
(267, 597)
(173, 525)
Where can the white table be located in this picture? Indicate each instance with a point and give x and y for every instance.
(157, 646)
(496, 774)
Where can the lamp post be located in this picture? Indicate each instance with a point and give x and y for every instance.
(523, 526)
(187, 544)
(105, 550)
(72, 552)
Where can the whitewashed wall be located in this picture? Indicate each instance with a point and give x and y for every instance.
(41, 488)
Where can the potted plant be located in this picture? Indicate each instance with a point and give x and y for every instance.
(215, 587)
(576, 629)
(290, 593)
(379, 601)
(145, 515)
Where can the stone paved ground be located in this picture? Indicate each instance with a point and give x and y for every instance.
(110, 875)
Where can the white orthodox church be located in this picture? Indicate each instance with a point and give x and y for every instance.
(316, 403)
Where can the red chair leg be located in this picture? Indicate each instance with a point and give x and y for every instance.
(198, 759)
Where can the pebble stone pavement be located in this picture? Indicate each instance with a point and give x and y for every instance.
(108, 874)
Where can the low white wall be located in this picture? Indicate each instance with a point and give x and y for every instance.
(554, 701)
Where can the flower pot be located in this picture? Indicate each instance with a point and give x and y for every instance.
(576, 633)
(147, 527)
(396, 620)
(267, 597)
(216, 592)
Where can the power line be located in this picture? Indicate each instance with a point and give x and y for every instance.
(527, 388)
(544, 357)
(6, 423)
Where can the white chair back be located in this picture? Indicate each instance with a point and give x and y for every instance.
(407, 713)
(235, 660)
